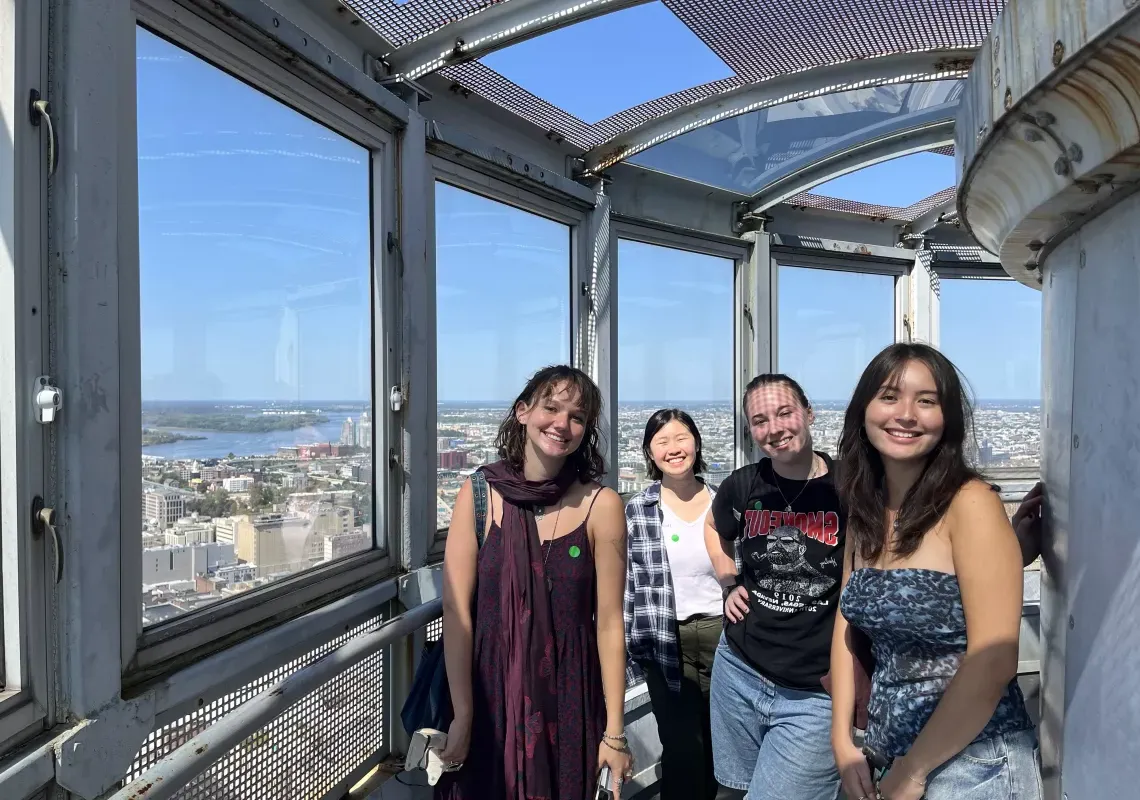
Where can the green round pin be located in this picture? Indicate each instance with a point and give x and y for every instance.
(758, 506)
(575, 551)
(676, 538)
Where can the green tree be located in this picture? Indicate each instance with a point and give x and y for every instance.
(261, 495)
(215, 504)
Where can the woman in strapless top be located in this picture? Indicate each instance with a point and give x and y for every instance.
(933, 575)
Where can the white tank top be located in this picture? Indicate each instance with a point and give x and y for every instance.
(695, 587)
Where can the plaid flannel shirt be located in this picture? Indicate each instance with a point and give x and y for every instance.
(649, 607)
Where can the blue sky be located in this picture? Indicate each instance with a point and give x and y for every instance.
(255, 248)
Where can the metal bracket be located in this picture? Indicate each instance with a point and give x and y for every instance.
(745, 220)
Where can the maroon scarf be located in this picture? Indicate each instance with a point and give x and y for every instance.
(528, 632)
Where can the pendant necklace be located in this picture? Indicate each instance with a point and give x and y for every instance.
(549, 542)
(788, 504)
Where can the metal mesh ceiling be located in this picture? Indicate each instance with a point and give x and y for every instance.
(904, 213)
(757, 39)
(763, 38)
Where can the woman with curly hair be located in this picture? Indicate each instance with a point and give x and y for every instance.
(532, 619)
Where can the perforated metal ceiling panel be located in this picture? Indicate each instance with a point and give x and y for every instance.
(409, 21)
(907, 213)
(756, 38)
(762, 38)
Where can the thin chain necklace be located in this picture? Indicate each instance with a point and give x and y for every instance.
(549, 542)
(811, 474)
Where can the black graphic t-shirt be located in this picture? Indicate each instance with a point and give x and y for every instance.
(793, 566)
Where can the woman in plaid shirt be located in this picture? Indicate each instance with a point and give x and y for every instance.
(673, 602)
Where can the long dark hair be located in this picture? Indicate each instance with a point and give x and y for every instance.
(658, 421)
(862, 488)
(587, 460)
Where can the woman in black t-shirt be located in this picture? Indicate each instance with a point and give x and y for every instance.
(775, 536)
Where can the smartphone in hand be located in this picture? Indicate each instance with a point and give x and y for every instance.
(604, 791)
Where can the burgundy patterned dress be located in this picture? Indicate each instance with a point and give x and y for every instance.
(577, 675)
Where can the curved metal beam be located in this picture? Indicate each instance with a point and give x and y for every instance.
(945, 212)
(911, 133)
(493, 28)
(863, 74)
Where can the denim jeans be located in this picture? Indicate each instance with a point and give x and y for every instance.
(773, 742)
(1004, 767)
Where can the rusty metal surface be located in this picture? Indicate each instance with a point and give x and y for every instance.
(1042, 149)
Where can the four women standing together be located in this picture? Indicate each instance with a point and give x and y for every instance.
(741, 603)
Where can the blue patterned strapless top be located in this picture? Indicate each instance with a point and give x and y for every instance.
(918, 632)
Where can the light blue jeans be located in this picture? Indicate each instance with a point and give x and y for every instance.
(1006, 767)
(773, 742)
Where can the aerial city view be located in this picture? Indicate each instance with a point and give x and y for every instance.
(1008, 435)
(237, 495)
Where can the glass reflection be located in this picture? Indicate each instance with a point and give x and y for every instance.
(991, 329)
(740, 153)
(256, 325)
(675, 348)
(502, 312)
(831, 324)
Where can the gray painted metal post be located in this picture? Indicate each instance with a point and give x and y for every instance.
(418, 339)
(93, 212)
(755, 330)
(598, 343)
(922, 299)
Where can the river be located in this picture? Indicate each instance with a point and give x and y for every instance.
(219, 444)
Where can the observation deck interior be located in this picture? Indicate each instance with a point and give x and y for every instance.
(273, 270)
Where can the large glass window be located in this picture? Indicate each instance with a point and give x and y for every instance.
(675, 349)
(831, 324)
(502, 313)
(256, 285)
(991, 329)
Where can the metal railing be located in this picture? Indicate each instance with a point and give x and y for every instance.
(166, 778)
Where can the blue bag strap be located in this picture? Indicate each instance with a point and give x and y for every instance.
(479, 490)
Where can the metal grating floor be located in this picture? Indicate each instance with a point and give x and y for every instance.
(303, 754)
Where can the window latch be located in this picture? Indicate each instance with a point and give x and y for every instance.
(43, 521)
(47, 400)
(40, 109)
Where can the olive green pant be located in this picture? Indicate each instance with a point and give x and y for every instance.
(683, 717)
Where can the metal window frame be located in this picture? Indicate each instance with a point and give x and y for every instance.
(151, 651)
(26, 685)
(741, 253)
(908, 134)
(783, 256)
(446, 168)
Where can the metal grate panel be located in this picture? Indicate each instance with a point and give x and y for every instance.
(492, 86)
(302, 754)
(928, 203)
(434, 631)
(611, 126)
(824, 203)
(404, 23)
(763, 38)
(757, 39)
